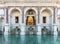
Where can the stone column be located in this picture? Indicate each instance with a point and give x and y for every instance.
(39, 30)
(6, 22)
(23, 23)
(55, 22)
(55, 30)
(6, 13)
(38, 26)
(22, 30)
(38, 15)
(6, 29)
(23, 15)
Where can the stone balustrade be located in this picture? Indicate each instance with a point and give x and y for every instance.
(28, 1)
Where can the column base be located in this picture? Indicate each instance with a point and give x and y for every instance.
(22, 33)
(22, 30)
(38, 33)
(55, 30)
(6, 29)
(39, 30)
(55, 33)
(5, 33)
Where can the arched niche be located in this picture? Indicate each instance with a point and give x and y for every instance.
(46, 16)
(30, 19)
(30, 12)
(46, 12)
(15, 12)
(33, 9)
(14, 17)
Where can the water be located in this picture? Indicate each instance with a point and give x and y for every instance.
(29, 39)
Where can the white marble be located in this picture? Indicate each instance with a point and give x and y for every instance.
(39, 30)
(6, 29)
(22, 30)
(55, 30)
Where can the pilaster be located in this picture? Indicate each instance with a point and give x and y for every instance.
(55, 23)
(6, 22)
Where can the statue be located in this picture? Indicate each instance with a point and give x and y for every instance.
(44, 30)
(17, 30)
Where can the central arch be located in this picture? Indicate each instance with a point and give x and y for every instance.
(30, 17)
(31, 21)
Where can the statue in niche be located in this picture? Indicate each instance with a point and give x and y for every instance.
(31, 12)
(30, 20)
(17, 30)
(31, 29)
(44, 30)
